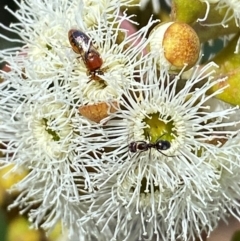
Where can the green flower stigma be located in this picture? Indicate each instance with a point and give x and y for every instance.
(54, 135)
(49, 47)
(158, 128)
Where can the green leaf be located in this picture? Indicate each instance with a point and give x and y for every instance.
(229, 66)
(3, 226)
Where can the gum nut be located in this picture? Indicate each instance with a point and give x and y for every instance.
(99, 111)
(177, 43)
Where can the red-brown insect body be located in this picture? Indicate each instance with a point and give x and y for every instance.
(81, 44)
(93, 60)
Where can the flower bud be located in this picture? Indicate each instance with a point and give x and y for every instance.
(18, 229)
(177, 43)
(99, 111)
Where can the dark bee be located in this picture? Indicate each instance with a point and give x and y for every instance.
(81, 44)
(140, 146)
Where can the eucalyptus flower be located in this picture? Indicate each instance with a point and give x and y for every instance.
(157, 163)
(40, 124)
(45, 135)
(175, 189)
(45, 36)
(218, 105)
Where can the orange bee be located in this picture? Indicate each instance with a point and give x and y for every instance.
(81, 44)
